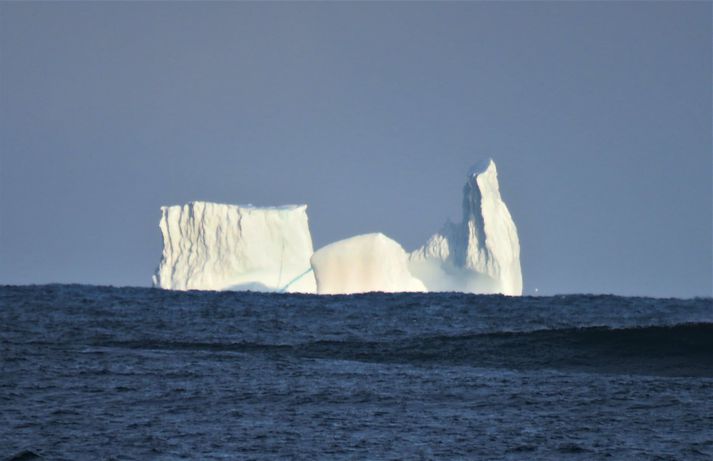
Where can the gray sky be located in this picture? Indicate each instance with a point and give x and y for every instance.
(598, 116)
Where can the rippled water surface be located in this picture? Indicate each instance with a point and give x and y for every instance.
(130, 373)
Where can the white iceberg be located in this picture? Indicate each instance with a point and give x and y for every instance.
(364, 263)
(481, 254)
(211, 246)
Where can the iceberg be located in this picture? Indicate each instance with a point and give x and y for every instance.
(212, 246)
(364, 263)
(481, 254)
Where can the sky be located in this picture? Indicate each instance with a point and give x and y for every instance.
(598, 116)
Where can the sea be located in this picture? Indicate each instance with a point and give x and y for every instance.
(104, 373)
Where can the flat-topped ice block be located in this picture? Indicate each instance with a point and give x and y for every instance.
(212, 246)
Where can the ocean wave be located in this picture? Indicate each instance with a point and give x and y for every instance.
(677, 350)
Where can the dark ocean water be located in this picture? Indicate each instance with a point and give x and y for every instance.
(131, 373)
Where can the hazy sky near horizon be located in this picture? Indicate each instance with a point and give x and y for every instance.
(598, 116)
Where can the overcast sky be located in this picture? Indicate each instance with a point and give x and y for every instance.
(598, 116)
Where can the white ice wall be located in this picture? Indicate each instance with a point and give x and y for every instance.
(211, 246)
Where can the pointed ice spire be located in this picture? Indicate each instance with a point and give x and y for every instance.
(481, 254)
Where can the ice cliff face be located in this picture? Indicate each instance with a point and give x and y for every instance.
(370, 262)
(481, 254)
(210, 246)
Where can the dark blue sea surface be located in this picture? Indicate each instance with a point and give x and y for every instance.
(131, 373)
